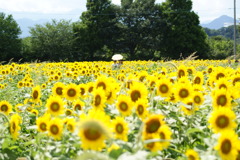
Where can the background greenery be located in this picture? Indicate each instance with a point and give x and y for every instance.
(138, 29)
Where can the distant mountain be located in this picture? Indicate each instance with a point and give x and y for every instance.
(220, 22)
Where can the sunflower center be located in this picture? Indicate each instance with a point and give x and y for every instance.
(183, 93)
(197, 99)
(163, 88)
(181, 73)
(135, 95)
(191, 157)
(140, 109)
(222, 121)
(123, 106)
(97, 100)
(82, 91)
(59, 91)
(109, 95)
(55, 106)
(150, 145)
(13, 126)
(78, 107)
(90, 89)
(71, 92)
(220, 75)
(101, 84)
(92, 134)
(35, 94)
(152, 126)
(222, 100)
(236, 80)
(68, 112)
(226, 146)
(162, 135)
(197, 80)
(43, 126)
(119, 128)
(4, 108)
(238, 156)
(54, 129)
(222, 86)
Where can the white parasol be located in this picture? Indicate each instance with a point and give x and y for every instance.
(117, 57)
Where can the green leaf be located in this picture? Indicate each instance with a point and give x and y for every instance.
(193, 130)
(116, 153)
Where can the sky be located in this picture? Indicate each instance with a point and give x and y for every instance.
(206, 9)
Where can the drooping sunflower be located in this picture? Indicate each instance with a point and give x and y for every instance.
(57, 89)
(137, 91)
(55, 105)
(55, 128)
(94, 130)
(164, 87)
(227, 145)
(36, 94)
(71, 92)
(192, 155)
(99, 99)
(221, 98)
(222, 119)
(42, 123)
(120, 128)
(141, 108)
(124, 105)
(5, 107)
(152, 124)
(15, 122)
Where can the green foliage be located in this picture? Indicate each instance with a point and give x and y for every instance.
(183, 35)
(10, 44)
(221, 47)
(52, 41)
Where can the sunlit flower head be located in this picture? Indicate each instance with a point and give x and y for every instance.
(55, 105)
(164, 87)
(36, 93)
(124, 105)
(71, 92)
(120, 128)
(99, 99)
(15, 122)
(137, 91)
(221, 98)
(57, 89)
(192, 155)
(55, 128)
(141, 108)
(153, 123)
(5, 107)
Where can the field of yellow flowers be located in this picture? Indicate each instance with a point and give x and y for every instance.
(142, 110)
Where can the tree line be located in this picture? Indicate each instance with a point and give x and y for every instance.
(138, 29)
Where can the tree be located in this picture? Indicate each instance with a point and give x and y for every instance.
(10, 43)
(97, 30)
(52, 41)
(183, 34)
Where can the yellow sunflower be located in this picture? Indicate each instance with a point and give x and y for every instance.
(182, 71)
(90, 86)
(55, 128)
(71, 124)
(57, 89)
(15, 122)
(164, 87)
(78, 105)
(152, 146)
(192, 155)
(153, 123)
(222, 119)
(68, 112)
(165, 134)
(83, 90)
(227, 145)
(124, 105)
(183, 91)
(102, 82)
(94, 130)
(223, 83)
(71, 92)
(42, 123)
(99, 99)
(5, 107)
(198, 79)
(221, 98)
(55, 105)
(198, 98)
(141, 108)
(36, 94)
(120, 128)
(137, 91)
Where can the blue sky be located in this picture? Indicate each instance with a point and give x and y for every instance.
(206, 9)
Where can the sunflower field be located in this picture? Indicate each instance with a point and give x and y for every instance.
(141, 110)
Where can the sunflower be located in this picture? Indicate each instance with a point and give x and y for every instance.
(68, 112)
(221, 98)
(164, 133)
(152, 146)
(137, 91)
(124, 105)
(227, 145)
(192, 155)
(71, 92)
(99, 99)
(55, 128)
(198, 79)
(189, 109)
(198, 98)
(78, 105)
(71, 124)
(55, 105)
(120, 128)
(222, 119)
(182, 71)
(152, 124)
(94, 130)
(183, 91)
(83, 90)
(223, 83)
(15, 122)
(164, 87)
(57, 89)
(141, 108)
(5, 107)
(102, 82)
(235, 79)
(36, 94)
(90, 86)
(42, 123)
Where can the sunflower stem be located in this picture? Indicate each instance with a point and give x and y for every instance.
(3, 115)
